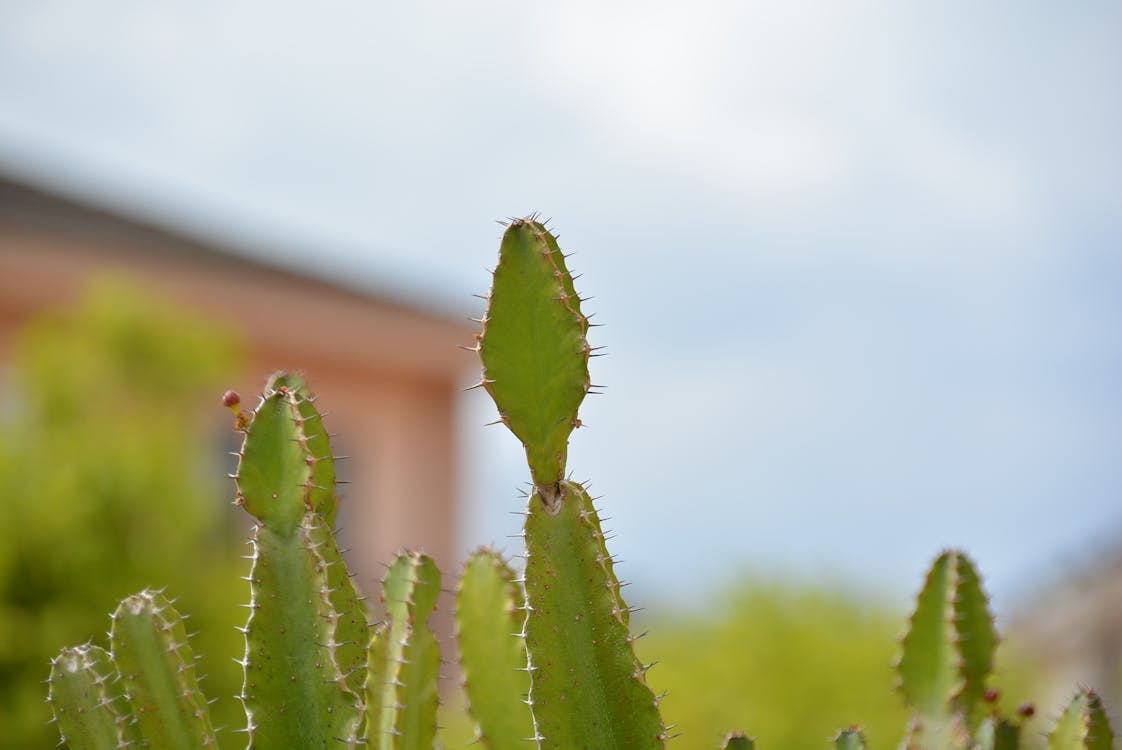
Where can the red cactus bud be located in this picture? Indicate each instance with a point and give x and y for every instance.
(991, 695)
(1026, 710)
(231, 399)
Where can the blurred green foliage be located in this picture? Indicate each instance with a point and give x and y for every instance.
(110, 481)
(790, 664)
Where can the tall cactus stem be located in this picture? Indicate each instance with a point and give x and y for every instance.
(587, 687)
(489, 620)
(305, 638)
(947, 653)
(404, 659)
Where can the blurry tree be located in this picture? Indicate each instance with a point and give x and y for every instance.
(790, 665)
(109, 482)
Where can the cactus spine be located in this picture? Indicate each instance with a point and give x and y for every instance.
(587, 687)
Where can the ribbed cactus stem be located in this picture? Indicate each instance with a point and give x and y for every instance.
(588, 687)
(947, 654)
(402, 692)
(157, 668)
(87, 701)
(304, 658)
(1083, 725)
(489, 621)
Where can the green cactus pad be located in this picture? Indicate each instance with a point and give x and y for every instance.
(404, 659)
(297, 692)
(588, 689)
(1083, 725)
(948, 650)
(533, 347)
(88, 701)
(489, 622)
(157, 667)
(286, 467)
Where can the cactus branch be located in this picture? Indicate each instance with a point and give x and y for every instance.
(404, 659)
(489, 622)
(157, 667)
(87, 701)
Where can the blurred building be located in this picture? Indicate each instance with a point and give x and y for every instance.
(1072, 629)
(389, 372)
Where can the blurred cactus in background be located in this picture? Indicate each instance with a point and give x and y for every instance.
(110, 483)
(548, 658)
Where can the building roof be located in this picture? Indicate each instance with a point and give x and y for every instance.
(34, 202)
(50, 240)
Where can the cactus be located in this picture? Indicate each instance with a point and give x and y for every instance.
(157, 670)
(88, 700)
(404, 661)
(947, 654)
(587, 688)
(306, 624)
(1083, 725)
(547, 659)
(489, 621)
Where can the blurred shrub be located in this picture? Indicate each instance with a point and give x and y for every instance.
(110, 481)
(790, 665)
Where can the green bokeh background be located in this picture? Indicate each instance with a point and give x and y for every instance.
(111, 479)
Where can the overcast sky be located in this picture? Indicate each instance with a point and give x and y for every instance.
(860, 262)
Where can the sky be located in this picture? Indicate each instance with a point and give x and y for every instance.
(859, 263)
